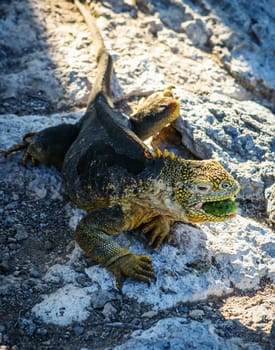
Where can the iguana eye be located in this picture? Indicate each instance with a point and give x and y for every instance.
(225, 185)
(202, 188)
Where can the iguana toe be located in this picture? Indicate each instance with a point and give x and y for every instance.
(27, 139)
(158, 228)
(138, 267)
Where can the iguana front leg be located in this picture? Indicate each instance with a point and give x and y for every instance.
(158, 229)
(93, 234)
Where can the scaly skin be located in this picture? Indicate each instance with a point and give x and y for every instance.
(169, 189)
(120, 182)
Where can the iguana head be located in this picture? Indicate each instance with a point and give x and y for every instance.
(204, 189)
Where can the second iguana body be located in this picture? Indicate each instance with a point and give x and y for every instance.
(120, 182)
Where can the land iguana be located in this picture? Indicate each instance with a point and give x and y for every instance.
(122, 184)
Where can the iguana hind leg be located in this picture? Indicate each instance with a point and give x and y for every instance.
(47, 146)
(154, 112)
(26, 140)
(93, 234)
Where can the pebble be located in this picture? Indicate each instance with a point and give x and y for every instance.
(197, 32)
(67, 334)
(13, 246)
(42, 331)
(99, 299)
(149, 314)
(5, 267)
(155, 26)
(48, 245)
(270, 203)
(21, 233)
(196, 314)
(82, 280)
(78, 330)
(17, 273)
(3, 238)
(34, 274)
(109, 311)
(27, 326)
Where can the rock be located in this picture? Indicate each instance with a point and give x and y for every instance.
(100, 298)
(21, 233)
(155, 26)
(28, 326)
(174, 333)
(13, 246)
(109, 311)
(232, 132)
(42, 331)
(197, 32)
(38, 189)
(5, 267)
(252, 26)
(196, 314)
(59, 273)
(78, 330)
(241, 249)
(172, 15)
(149, 314)
(48, 245)
(241, 255)
(270, 203)
(34, 273)
(66, 305)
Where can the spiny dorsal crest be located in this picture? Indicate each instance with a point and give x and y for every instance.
(163, 154)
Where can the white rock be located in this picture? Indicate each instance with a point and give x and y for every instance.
(270, 203)
(68, 304)
(175, 333)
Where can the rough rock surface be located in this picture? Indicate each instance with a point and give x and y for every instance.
(215, 287)
(240, 134)
(177, 333)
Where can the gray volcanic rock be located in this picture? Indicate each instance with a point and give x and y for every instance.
(177, 334)
(270, 203)
(244, 34)
(241, 135)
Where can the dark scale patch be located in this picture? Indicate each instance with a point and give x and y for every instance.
(50, 145)
(100, 160)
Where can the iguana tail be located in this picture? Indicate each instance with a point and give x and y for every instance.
(104, 60)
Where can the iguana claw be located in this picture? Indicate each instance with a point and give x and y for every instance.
(138, 267)
(27, 139)
(158, 228)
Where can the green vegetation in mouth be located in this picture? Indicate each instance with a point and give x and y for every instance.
(220, 208)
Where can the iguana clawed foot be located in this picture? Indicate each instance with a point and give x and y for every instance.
(27, 140)
(138, 267)
(158, 228)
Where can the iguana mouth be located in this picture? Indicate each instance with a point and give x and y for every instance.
(219, 208)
